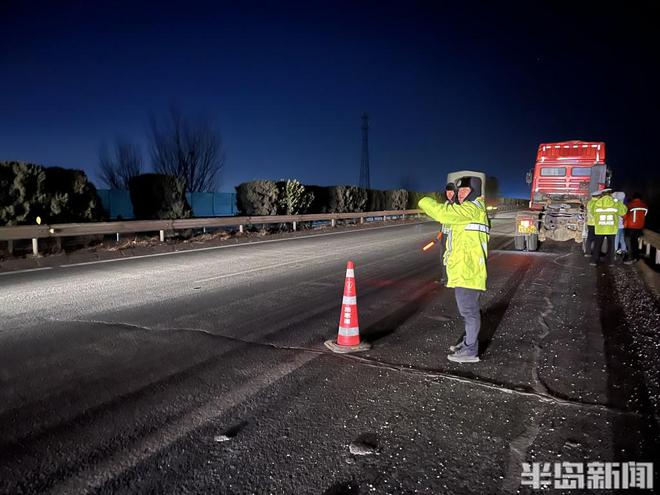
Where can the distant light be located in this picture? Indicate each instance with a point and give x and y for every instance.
(38, 220)
(428, 246)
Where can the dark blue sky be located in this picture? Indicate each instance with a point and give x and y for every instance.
(446, 87)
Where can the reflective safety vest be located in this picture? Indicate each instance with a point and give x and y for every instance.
(467, 241)
(636, 216)
(606, 211)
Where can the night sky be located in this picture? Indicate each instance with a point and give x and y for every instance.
(446, 86)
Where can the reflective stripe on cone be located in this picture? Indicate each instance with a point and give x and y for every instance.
(349, 330)
(348, 335)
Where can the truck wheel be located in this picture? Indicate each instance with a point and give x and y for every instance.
(519, 242)
(532, 242)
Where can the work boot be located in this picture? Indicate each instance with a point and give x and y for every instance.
(463, 356)
(593, 264)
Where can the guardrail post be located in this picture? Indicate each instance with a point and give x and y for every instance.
(640, 243)
(333, 222)
(657, 256)
(241, 229)
(384, 218)
(58, 244)
(361, 219)
(10, 247)
(35, 247)
(403, 216)
(117, 236)
(648, 249)
(161, 234)
(294, 225)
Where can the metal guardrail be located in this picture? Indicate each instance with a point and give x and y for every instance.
(650, 239)
(36, 232)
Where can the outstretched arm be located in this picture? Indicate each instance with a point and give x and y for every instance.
(449, 214)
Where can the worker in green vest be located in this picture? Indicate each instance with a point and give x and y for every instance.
(467, 250)
(606, 211)
(591, 235)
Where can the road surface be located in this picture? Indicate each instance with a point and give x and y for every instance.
(205, 371)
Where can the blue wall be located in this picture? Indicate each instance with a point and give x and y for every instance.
(215, 204)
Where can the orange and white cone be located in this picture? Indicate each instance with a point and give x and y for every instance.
(348, 337)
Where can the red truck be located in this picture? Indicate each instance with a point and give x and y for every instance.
(562, 181)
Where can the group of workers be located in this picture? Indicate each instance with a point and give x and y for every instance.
(609, 218)
(466, 229)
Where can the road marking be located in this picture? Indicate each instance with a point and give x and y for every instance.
(28, 270)
(91, 479)
(212, 248)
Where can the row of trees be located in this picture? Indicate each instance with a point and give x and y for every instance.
(267, 197)
(186, 148)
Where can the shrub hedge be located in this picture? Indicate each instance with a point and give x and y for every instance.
(261, 197)
(258, 197)
(158, 197)
(55, 194)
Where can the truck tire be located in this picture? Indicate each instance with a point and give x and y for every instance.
(519, 242)
(532, 242)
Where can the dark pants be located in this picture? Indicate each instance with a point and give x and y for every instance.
(591, 237)
(468, 305)
(632, 237)
(598, 245)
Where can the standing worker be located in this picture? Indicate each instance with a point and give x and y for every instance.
(591, 236)
(606, 211)
(620, 248)
(467, 250)
(634, 224)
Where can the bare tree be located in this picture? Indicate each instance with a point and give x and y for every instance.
(191, 150)
(119, 164)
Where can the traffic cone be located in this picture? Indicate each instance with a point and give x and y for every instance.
(348, 337)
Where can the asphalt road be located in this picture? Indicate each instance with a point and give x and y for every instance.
(205, 371)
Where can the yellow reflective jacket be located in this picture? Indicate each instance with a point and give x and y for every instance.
(467, 243)
(606, 211)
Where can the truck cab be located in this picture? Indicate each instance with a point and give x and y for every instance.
(567, 171)
(564, 176)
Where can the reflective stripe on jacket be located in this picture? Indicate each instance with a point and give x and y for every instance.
(636, 216)
(606, 211)
(467, 244)
(590, 215)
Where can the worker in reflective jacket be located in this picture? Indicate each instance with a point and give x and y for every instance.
(606, 211)
(591, 236)
(633, 223)
(467, 250)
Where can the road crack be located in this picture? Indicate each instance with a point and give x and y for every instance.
(481, 382)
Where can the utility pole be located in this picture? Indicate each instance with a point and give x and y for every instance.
(365, 177)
